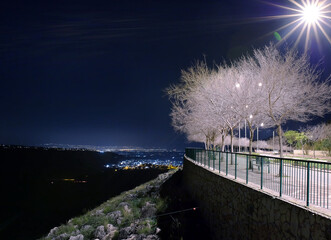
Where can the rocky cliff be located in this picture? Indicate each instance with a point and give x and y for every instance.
(131, 215)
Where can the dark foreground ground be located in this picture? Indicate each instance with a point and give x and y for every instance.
(41, 189)
(180, 220)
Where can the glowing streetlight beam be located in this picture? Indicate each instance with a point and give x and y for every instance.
(310, 18)
(311, 14)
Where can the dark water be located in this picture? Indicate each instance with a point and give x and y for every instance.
(41, 189)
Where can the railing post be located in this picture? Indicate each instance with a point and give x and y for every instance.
(213, 160)
(219, 162)
(208, 158)
(308, 167)
(235, 166)
(261, 172)
(246, 169)
(226, 164)
(281, 176)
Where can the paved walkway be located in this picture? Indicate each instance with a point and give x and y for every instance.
(294, 180)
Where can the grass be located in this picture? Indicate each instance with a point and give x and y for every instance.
(147, 226)
(98, 216)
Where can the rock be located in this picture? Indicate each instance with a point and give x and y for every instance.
(157, 230)
(115, 217)
(122, 204)
(100, 232)
(86, 227)
(119, 221)
(127, 209)
(132, 237)
(125, 232)
(78, 237)
(77, 232)
(111, 230)
(63, 236)
(152, 237)
(149, 210)
(131, 196)
(52, 233)
(98, 213)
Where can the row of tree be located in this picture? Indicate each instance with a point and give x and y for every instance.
(266, 89)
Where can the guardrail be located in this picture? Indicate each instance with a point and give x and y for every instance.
(305, 180)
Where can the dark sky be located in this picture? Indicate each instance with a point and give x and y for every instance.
(93, 72)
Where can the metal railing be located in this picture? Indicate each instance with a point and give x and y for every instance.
(305, 180)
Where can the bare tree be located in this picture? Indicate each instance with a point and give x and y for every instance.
(248, 96)
(292, 87)
(317, 133)
(189, 112)
(268, 88)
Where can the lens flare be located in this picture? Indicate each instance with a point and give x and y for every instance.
(309, 18)
(311, 14)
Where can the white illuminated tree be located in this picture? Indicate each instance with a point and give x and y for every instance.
(292, 89)
(189, 105)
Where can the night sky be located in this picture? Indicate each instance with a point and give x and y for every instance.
(94, 72)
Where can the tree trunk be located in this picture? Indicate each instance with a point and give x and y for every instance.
(280, 136)
(251, 131)
(251, 137)
(231, 130)
(280, 140)
(223, 139)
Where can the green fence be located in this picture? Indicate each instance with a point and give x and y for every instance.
(305, 180)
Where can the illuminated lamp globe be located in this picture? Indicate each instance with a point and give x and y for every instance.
(311, 14)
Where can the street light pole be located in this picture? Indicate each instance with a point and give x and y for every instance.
(245, 130)
(273, 141)
(239, 138)
(257, 139)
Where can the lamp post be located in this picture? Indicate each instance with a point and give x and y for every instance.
(257, 136)
(245, 132)
(273, 141)
(239, 138)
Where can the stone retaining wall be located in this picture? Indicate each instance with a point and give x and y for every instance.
(236, 211)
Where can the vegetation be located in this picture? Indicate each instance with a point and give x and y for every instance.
(128, 207)
(313, 138)
(266, 89)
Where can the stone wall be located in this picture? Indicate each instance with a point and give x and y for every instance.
(236, 211)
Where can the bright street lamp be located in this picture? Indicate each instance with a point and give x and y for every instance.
(308, 18)
(311, 13)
